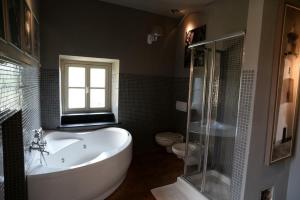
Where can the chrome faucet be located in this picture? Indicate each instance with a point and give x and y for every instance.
(39, 144)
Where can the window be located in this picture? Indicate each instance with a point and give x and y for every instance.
(85, 86)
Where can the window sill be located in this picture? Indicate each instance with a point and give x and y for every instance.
(89, 119)
(87, 126)
(86, 113)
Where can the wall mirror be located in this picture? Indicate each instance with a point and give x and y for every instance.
(2, 19)
(27, 29)
(14, 21)
(284, 96)
(36, 38)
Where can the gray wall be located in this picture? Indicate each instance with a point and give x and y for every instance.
(98, 29)
(293, 192)
(259, 175)
(145, 107)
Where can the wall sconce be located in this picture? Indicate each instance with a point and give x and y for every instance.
(152, 37)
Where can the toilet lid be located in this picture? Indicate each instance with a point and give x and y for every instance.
(167, 136)
(179, 146)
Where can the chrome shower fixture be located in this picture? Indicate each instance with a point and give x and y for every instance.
(152, 37)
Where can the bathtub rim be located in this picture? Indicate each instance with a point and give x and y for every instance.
(61, 171)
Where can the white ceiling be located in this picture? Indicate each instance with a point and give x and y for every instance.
(163, 7)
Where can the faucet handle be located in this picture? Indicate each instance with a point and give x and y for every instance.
(38, 133)
(39, 130)
(38, 137)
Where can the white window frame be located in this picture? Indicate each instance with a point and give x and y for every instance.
(65, 87)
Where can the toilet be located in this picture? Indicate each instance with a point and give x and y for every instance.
(179, 149)
(167, 139)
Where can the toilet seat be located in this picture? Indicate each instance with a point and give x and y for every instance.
(179, 149)
(167, 139)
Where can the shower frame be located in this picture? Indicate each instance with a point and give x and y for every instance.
(209, 102)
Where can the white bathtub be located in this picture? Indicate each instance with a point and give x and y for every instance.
(81, 166)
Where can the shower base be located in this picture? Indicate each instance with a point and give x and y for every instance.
(177, 191)
(217, 185)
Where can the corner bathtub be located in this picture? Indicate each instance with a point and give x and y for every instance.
(82, 165)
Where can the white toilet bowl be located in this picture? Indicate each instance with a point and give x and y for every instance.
(179, 149)
(167, 139)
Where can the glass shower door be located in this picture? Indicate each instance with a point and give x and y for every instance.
(213, 117)
(197, 117)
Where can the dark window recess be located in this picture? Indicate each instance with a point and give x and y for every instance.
(88, 118)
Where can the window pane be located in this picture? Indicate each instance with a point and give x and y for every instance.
(97, 98)
(76, 77)
(76, 98)
(97, 77)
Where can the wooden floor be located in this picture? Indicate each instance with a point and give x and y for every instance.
(148, 171)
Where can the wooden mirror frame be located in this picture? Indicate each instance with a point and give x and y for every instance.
(277, 83)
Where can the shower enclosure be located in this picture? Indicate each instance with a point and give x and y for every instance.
(212, 116)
